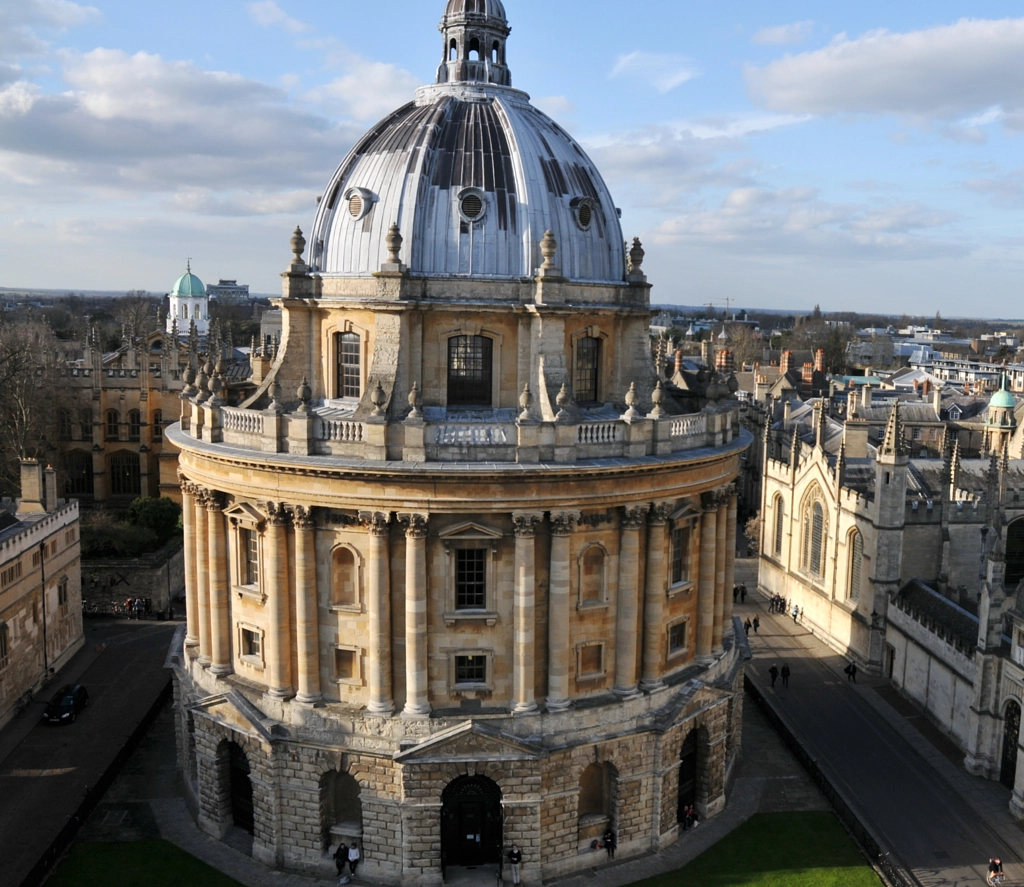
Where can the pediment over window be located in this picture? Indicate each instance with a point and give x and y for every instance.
(234, 711)
(685, 513)
(471, 741)
(246, 513)
(468, 530)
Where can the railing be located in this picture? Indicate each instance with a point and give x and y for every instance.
(471, 435)
(341, 430)
(242, 421)
(690, 426)
(598, 433)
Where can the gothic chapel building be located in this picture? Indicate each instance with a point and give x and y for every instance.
(459, 573)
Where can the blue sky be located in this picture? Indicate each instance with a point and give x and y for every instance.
(864, 156)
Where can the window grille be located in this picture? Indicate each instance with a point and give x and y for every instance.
(856, 558)
(677, 637)
(125, 475)
(78, 468)
(470, 371)
(817, 539)
(251, 557)
(470, 579)
(134, 425)
(350, 378)
(587, 370)
(780, 514)
(680, 555)
(470, 669)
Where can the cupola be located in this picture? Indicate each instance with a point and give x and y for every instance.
(474, 32)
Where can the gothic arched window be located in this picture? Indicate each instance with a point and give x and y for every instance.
(814, 532)
(780, 517)
(856, 547)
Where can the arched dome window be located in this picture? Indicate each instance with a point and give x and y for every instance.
(344, 578)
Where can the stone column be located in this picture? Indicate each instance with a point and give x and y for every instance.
(559, 608)
(188, 521)
(730, 565)
(654, 597)
(379, 613)
(627, 621)
(417, 689)
(721, 528)
(220, 614)
(706, 580)
(307, 608)
(203, 577)
(276, 588)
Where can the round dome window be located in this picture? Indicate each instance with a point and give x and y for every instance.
(583, 211)
(359, 202)
(472, 205)
(355, 205)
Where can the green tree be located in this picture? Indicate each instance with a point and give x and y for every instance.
(161, 516)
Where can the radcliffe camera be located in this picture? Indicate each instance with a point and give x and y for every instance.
(485, 442)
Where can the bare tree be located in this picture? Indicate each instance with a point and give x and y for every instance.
(136, 311)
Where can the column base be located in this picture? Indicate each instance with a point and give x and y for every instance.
(203, 661)
(384, 709)
(651, 686)
(221, 670)
(416, 712)
(281, 692)
(526, 708)
(706, 659)
(626, 693)
(313, 700)
(557, 705)
(191, 641)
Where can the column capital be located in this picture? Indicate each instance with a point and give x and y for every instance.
(524, 523)
(660, 512)
(302, 516)
(562, 522)
(209, 499)
(709, 501)
(633, 516)
(277, 515)
(415, 525)
(377, 522)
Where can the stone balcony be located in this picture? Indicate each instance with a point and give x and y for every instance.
(442, 435)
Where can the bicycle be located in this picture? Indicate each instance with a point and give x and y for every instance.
(24, 701)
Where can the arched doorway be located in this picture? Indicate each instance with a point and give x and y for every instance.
(471, 822)
(689, 769)
(1011, 733)
(242, 813)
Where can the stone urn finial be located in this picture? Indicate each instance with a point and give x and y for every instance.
(394, 242)
(305, 394)
(189, 378)
(631, 401)
(298, 246)
(564, 399)
(658, 398)
(549, 249)
(636, 257)
(216, 387)
(275, 395)
(378, 398)
(525, 400)
(414, 402)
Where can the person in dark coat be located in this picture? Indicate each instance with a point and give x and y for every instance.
(340, 858)
(609, 842)
(757, 624)
(785, 674)
(773, 672)
(743, 593)
(515, 858)
(746, 627)
(851, 672)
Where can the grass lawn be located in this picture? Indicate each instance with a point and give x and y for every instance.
(148, 863)
(778, 850)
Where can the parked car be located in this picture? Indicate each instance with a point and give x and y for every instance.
(67, 702)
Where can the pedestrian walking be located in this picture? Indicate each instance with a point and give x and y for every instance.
(609, 842)
(735, 593)
(743, 593)
(796, 613)
(515, 858)
(995, 871)
(340, 858)
(353, 858)
(851, 672)
(773, 672)
(757, 624)
(801, 614)
(746, 627)
(785, 674)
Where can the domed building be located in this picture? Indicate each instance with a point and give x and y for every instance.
(459, 573)
(1000, 420)
(189, 304)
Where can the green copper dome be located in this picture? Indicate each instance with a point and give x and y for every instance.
(1002, 399)
(189, 286)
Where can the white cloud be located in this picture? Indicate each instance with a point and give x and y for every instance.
(20, 19)
(737, 126)
(663, 71)
(268, 14)
(942, 74)
(557, 107)
(367, 90)
(783, 35)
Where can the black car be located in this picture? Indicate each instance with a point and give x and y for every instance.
(66, 704)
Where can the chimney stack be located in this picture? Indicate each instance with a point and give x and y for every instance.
(32, 492)
(865, 397)
(50, 489)
(819, 360)
(786, 362)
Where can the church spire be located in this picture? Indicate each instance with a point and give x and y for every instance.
(475, 32)
(893, 443)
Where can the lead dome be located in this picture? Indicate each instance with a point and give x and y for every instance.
(472, 174)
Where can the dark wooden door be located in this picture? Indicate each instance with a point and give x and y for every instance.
(471, 823)
(241, 791)
(688, 774)
(1011, 733)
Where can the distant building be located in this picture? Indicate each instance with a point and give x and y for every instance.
(40, 586)
(189, 303)
(228, 291)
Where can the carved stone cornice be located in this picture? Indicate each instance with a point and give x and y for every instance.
(524, 523)
(415, 525)
(213, 501)
(660, 513)
(376, 522)
(633, 516)
(277, 514)
(562, 522)
(302, 516)
(595, 520)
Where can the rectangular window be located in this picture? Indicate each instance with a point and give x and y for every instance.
(4, 660)
(345, 665)
(470, 579)
(587, 370)
(158, 425)
(85, 420)
(11, 574)
(591, 660)
(250, 545)
(680, 555)
(251, 645)
(350, 378)
(470, 369)
(677, 639)
(471, 669)
(916, 433)
(62, 597)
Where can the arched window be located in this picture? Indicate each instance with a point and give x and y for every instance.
(592, 576)
(196, 313)
(474, 50)
(158, 425)
(596, 800)
(344, 578)
(856, 546)
(470, 371)
(65, 425)
(494, 53)
(587, 370)
(125, 474)
(814, 539)
(85, 420)
(780, 516)
(350, 376)
(341, 807)
(453, 51)
(78, 467)
(134, 425)
(184, 312)
(113, 425)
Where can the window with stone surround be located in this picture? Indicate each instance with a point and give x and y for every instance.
(471, 670)
(125, 474)
(815, 537)
(780, 515)
(855, 544)
(593, 576)
(345, 575)
(349, 349)
(587, 370)
(250, 645)
(470, 371)
(62, 596)
(590, 664)
(134, 425)
(158, 425)
(346, 665)
(470, 579)
(4, 647)
(678, 637)
(680, 554)
(79, 471)
(249, 557)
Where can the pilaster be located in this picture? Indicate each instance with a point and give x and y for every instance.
(626, 619)
(706, 581)
(417, 697)
(654, 596)
(307, 615)
(279, 659)
(217, 568)
(378, 526)
(188, 521)
(558, 610)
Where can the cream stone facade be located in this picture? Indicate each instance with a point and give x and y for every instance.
(40, 587)
(459, 573)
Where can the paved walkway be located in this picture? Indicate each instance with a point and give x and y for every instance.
(145, 802)
(938, 821)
